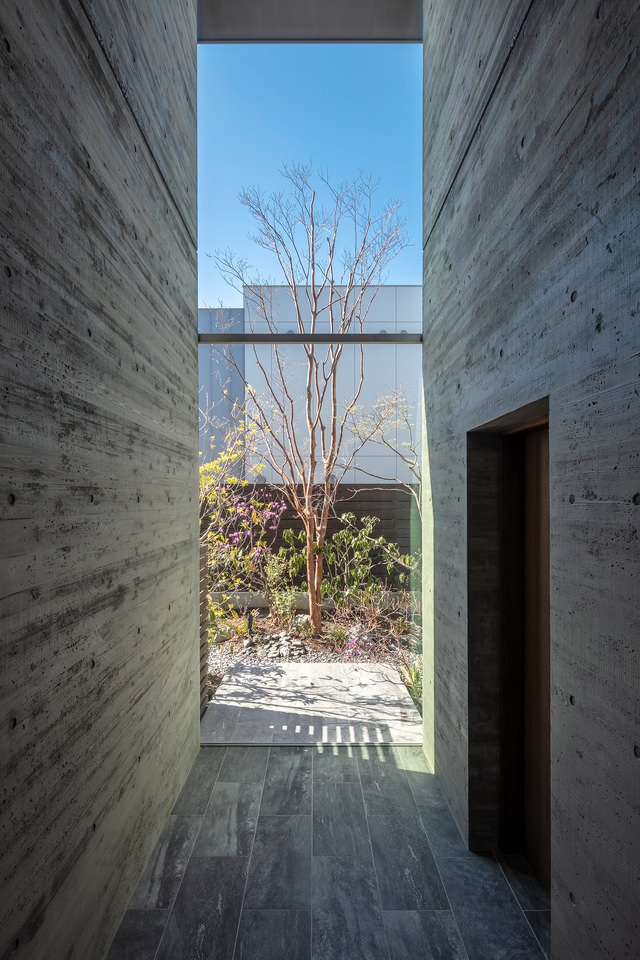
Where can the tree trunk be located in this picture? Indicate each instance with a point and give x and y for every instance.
(314, 583)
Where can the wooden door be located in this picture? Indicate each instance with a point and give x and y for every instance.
(525, 701)
(536, 699)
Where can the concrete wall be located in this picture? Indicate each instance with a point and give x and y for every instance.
(246, 21)
(98, 536)
(532, 273)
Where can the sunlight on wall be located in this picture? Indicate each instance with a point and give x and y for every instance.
(428, 653)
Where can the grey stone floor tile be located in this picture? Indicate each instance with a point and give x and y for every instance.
(274, 935)
(379, 760)
(311, 703)
(335, 764)
(195, 794)
(492, 925)
(443, 833)
(384, 783)
(160, 881)
(423, 934)
(528, 890)
(219, 721)
(346, 916)
(284, 881)
(540, 921)
(204, 919)
(244, 764)
(297, 728)
(280, 870)
(367, 707)
(383, 732)
(229, 823)
(287, 785)
(253, 725)
(413, 759)
(408, 877)
(138, 935)
(339, 821)
(338, 730)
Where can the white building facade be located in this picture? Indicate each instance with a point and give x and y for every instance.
(391, 372)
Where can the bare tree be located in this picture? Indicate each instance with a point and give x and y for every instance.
(331, 246)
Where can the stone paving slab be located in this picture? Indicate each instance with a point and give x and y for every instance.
(325, 853)
(305, 703)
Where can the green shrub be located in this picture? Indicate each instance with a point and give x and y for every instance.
(412, 677)
(360, 566)
(282, 604)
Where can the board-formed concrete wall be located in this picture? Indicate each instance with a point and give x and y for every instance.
(532, 279)
(98, 506)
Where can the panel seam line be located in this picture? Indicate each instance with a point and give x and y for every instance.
(121, 87)
(514, 40)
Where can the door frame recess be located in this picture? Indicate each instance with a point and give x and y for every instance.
(487, 603)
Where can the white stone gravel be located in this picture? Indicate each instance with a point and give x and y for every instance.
(220, 659)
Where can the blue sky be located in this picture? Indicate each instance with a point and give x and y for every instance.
(346, 107)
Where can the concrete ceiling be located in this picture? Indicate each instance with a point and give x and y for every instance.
(290, 21)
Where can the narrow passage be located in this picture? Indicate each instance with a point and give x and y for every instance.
(325, 852)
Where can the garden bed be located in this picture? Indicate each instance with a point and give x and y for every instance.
(269, 642)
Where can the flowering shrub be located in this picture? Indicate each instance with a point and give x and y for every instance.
(242, 528)
(238, 520)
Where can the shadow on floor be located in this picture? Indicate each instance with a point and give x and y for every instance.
(305, 703)
(325, 853)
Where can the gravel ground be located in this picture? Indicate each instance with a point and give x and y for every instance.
(371, 647)
(270, 644)
(220, 658)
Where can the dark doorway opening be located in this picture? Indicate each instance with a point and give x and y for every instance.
(525, 646)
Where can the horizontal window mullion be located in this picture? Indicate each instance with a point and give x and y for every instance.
(310, 338)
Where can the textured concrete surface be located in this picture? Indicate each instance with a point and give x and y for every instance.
(244, 21)
(532, 226)
(531, 278)
(294, 857)
(298, 703)
(98, 512)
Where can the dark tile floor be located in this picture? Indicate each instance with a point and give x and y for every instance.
(325, 853)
